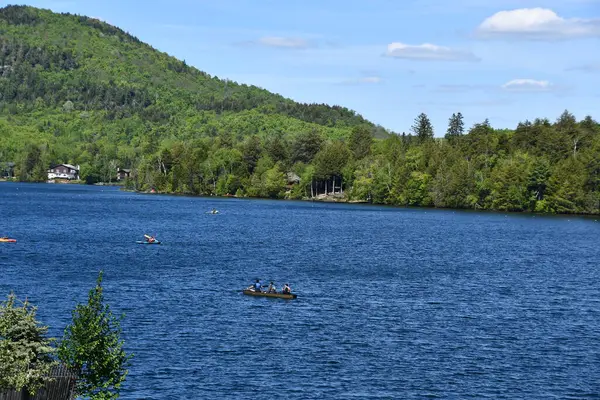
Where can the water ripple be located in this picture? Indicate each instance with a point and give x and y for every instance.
(393, 303)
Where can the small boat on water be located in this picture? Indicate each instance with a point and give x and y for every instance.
(149, 240)
(7, 240)
(289, 296)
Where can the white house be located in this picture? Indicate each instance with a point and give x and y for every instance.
(64, 171)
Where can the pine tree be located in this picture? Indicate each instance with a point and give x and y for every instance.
(456, 126)
(25, 352)
(92, 345)
(361, 140)
(422, 128)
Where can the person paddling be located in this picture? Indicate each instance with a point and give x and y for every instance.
(272, 288)
(150, 239)
(256, 286)
(286, 289)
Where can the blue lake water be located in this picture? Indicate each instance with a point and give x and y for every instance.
(392, 303)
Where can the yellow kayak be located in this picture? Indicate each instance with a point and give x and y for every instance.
(289, 296)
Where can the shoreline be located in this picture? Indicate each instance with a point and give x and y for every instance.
(328, 199)
(367, 203)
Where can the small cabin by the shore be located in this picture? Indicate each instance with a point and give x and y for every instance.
(64, 171)
(123, 173)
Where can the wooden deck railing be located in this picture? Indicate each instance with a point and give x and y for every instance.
(60, 387)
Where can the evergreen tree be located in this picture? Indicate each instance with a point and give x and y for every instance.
(278, 149)
(25, 352)
(251, 150)
(423, 128)
(92, 345)
(590, 126)
(566, 187)
(456, 126)
(592, 183)
(566, 123)
(306, 146)
(361, 140)
(538, 182)
(33, 164)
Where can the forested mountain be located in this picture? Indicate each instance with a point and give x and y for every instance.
(63, 70)
(49, 59)
(77, 90)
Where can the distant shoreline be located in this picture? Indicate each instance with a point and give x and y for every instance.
(65, 182)
(321, 199)
(365, 202)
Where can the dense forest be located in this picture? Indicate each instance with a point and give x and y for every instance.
(77, 90)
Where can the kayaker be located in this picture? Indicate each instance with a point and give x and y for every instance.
(286, 289)
(272, 288)
(257, 286)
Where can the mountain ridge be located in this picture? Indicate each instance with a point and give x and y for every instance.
(90, 51)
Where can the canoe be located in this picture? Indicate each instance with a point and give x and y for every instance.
(7, 240)
(144, 242)
(265, 294)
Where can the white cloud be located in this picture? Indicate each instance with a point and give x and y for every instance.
(537, 23)
(528, 85)
(283, 42)
(428, 52)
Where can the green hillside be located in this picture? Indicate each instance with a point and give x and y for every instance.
(63, 57)
(77, 90)
(77, 80)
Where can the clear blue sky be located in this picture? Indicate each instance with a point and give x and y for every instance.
(506, 60)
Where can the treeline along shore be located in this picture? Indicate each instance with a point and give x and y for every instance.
(77, 91)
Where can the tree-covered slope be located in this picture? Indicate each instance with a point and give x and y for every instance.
(61, 63)
(76, 90)
(56, 58)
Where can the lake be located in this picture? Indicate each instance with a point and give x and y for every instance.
(393, 303)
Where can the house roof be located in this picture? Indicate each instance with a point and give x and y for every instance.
(68, 166)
